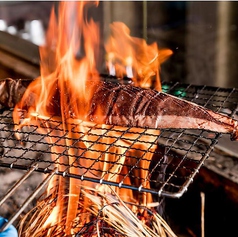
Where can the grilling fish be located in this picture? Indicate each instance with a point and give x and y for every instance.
(127, 105)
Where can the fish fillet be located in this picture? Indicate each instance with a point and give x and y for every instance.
(127, 105)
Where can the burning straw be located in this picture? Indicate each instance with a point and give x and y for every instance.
(72, 206)
(107, 215)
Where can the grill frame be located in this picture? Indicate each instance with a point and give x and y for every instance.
(179, 145)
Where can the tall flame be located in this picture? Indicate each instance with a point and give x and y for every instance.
(68, 61)
(133, 57)
(68, 64)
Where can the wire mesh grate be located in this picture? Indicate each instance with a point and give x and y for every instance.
(159, 162)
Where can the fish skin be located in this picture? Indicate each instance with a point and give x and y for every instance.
(130, 106)
(126, 105)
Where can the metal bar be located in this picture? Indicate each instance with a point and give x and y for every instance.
(18, 183)
(28, 200)
(205, 95)
(190, 180)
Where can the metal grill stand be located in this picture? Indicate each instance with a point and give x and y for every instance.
(176, 160)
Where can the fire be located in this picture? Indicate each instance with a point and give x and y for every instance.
(68, 61)
(63, 92)
(133, 57)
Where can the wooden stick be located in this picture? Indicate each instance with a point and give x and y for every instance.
(202, 214)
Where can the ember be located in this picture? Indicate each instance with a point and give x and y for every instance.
(72, 206)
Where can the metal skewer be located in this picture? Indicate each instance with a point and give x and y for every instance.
(18, 183)
(28, 200)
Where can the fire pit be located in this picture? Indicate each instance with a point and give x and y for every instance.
(177, 159)
(104, 148)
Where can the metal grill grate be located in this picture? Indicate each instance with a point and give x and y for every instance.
(119, 156)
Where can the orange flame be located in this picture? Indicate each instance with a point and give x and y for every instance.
(68, 63)
(133, 57)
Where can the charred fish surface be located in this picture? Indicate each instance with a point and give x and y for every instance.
(127, 105)
(11, 91)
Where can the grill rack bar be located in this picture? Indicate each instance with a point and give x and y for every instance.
(179, 156)
(17, 184)
(160, 192)
(16, 214)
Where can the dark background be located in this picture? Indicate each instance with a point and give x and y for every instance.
(202, 35)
